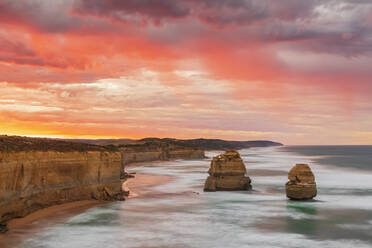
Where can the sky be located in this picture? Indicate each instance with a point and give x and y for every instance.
(292, 71)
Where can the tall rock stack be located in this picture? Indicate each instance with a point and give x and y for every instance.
(227, 172)
(301, 185)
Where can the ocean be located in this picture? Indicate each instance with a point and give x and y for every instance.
(180, 214)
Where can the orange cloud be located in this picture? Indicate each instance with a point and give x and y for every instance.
(248, 69)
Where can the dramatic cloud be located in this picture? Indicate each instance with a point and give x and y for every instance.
(287, 70)
(47, 16)
(215, 12)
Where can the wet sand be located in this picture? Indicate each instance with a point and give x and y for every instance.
(141, 184)
(23, 228)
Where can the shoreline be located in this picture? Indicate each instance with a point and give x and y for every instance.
(134, 164)
(50, 211)
(20, 229)
(144, 184)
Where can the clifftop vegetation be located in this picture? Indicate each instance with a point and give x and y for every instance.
(19, 143)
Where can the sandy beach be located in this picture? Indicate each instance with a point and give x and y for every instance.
(142, 184)
(22, 228)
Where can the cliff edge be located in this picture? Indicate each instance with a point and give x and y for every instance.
(36, 173)
(205, 144)
(148, 150)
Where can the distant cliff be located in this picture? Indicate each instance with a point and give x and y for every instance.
(36, 173)
(204, 144)
(218, 144)
(156, 150)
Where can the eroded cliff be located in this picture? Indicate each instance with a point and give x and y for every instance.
(36, 173)
(156, 150)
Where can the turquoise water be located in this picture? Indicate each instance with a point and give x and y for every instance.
(180, 214)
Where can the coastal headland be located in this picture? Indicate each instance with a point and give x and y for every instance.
(36, 173)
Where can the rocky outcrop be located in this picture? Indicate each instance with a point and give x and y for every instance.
(227, 172)
(301, 185)
(35, 174)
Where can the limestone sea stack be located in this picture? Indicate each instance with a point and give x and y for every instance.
(301, 185)
(227, 172)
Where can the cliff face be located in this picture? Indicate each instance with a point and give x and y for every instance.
(35, 178)
(156, 150)
(37, 173)
(153, 151)
(186, 153)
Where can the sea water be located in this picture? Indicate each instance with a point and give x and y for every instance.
(180, 214)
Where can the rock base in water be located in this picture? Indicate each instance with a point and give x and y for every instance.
(301, 185)
(227, 183)
(227, 173)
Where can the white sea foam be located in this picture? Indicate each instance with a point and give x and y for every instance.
(261, 218)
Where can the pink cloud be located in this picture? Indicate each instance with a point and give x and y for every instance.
(266, 60)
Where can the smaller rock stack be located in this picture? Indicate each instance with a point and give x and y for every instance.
(227, 172)
(301, 185)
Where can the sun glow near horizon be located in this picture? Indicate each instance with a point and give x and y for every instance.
(292, 72)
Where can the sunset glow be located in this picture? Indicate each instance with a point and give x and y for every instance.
(297, 72)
